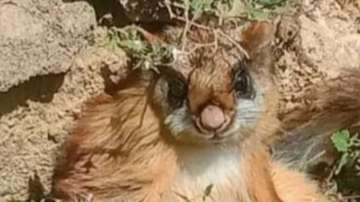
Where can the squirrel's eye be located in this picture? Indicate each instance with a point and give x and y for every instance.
(242, 84)
(177, 92)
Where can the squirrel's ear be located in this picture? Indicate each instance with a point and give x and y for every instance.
(256, 36)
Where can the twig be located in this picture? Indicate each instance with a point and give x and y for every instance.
(214, 43)
(178, 5)
(351, 197)
(238, 46)
(316, 157)
(202, 45)
(187, 25)
(182, 19)
(192, 23)
(167, 4)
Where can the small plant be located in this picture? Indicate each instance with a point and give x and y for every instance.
(254, 9)
(348, 147)
(132, 40)
(208, 15)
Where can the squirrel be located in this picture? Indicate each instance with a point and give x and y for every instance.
(195, 131)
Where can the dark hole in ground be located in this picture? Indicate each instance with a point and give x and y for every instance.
(39, 88)
(108, 13)
(112, 13)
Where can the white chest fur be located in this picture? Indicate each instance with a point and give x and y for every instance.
(204, 167)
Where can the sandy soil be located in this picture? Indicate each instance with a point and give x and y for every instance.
(315, 46)
(50, 64)
(48, 67)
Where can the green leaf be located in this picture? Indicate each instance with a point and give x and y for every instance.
(341, 140)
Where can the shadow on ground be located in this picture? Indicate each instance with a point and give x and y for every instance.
(39, 88)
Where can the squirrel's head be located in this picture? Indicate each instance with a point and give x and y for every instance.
(213, 93)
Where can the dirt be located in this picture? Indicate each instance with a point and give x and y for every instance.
(322, 40)
(50, 63)
(48, 67)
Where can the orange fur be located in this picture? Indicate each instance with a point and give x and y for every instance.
(121, 149)
(293, 186)
(119, 152)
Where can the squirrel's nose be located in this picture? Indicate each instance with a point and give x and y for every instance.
(212, 117)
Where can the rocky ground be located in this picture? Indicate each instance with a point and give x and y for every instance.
(50, 62)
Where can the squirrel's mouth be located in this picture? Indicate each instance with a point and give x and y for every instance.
(214, 134)
(220, 136)
(223, 127)
(212, 120)
(212, 126)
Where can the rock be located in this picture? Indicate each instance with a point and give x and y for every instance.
(47, 70)
(36, 38)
